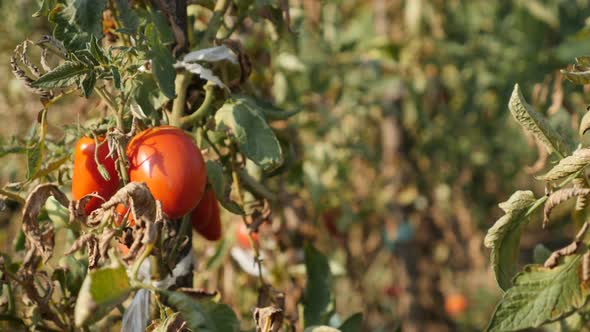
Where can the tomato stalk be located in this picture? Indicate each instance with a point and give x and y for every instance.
(203, 110)
(181, 83)
(257, 259)
(215, 21)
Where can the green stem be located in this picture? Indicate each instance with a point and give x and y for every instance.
(180, 84)
(215, 22)
(202, 111)
(144, 255)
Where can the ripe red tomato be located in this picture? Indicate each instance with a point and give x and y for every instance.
(205, 217)
(121, 210)
(242, 237)
(455, 304)
(171, 165)
(87, 179)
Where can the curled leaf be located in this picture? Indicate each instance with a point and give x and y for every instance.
(504, 237)
(559, 197)
(39, 237)
(568, 166)
(536, 124)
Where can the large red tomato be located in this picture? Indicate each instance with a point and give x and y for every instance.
(87, 179)
(205, 217)
(171, 165)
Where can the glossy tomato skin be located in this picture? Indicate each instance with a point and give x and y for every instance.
(205, 217)
(87, 179)
(171, 165)
(121, 211)
(242, 237)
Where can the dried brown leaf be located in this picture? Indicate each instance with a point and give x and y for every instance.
(39, 237)
(559, 197)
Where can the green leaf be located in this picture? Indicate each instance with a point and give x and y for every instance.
(568, 166)
(504, 237)
(317, 296)
(97, 51)
(87, 14)
(145, 91)
(221, 186)
(162, 62)
(61, 76)
(57, 213)
(101, 291)
(541, 295)
(70, 273)
(253, 135)
(88, 84)
(126, 15)
(34, 159)
(270, 111)
(116, 77)
(204, 316)
(536, 124)
(45, 7)
(353, 323)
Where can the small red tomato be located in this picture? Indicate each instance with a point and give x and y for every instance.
(172, 167)
(87, 179)
(242, 236)
(455, 304)
(205, 217)
(121, 210)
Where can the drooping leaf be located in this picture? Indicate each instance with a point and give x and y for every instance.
(57, 213)
(34, 158)
(541, 295)
(62, 76)
(212, 54)
(536, 124)
(270, 111)
(568, 166)
(162, 62)
(504, 237)
(204, 316)
(87, 14)
(577, 77)
(317, 296)
(101, 291)
(126, 15)
(88, 84)
(70, 273)
(254, 137)
(354, 323)
(221, 186)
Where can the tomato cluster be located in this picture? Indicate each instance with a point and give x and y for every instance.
(167, 160)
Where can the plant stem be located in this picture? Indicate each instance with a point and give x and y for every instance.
(180, 84)
(139, 261)
(215, 21)
(202, 111)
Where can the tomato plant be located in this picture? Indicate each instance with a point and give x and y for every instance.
(175, 112)
(171, 165)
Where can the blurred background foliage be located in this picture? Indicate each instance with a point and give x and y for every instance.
(402, 148)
